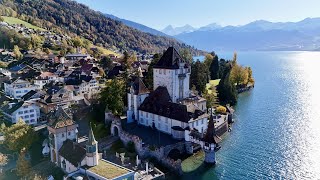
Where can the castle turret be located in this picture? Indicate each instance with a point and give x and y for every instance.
(61, 127)
(92, 155)
(211, 141)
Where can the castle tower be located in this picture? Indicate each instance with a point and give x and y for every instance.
(172, 72)
(211, 141)
(138, 93)
(61, 127)
(92, 155)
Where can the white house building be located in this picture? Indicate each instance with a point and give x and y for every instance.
(171, 107)
(44, 78)
(29, 112)
(17, 88)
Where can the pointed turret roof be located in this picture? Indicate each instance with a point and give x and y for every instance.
(59, 119)
(170, 59)
(139, 87)
(211, 137)
(91, 139)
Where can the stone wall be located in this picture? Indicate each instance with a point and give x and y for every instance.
(160, 154)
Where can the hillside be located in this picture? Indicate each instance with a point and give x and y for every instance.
(137, 26)
(12, 20)
(70, 16)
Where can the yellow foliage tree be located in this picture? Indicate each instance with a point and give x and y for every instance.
(221, 109)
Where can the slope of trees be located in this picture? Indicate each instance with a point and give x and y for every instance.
(70, 16)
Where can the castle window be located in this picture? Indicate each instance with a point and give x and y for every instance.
(197, 123)
(160, 71)
(69, 133)
(64, 166)
(62, 134)
(164, 72)
(147, 114)
(202, 121)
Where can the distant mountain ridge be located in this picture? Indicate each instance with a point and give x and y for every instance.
(137, 26)
(258, 35)
(172, 31)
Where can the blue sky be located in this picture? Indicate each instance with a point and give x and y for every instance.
(160, 13)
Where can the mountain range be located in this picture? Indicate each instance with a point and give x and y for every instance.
(258, 35)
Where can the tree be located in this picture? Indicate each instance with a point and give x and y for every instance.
(3, 159)
(47, 50)
(211, 99)
(17, 53)
(36, 41)
(214, 68)
(199, 76)
(112, 96)
(227, 91)
(19, 136)
(106, 63)
(208, 60)
(149, 77)
(186, 55)
(238, 75)
(250, 77)
(77, 42)
(1, 19)
(23, 166)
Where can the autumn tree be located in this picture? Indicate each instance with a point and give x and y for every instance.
(77, 42)
(208, 60)
(17, 53)
(1, 19)
(36, 41)
(23, 166)
(239, 75)
(3, 160)
(19, 136)
(112, 96)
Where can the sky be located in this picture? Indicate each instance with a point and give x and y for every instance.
(160, 13)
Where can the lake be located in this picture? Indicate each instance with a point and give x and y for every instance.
(277, 130)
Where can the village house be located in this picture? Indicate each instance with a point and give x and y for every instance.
(29, 112)
(16, 88)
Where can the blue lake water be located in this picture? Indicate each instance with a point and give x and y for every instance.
(277, 129)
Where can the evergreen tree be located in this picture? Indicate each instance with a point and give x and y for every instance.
(227, 91)
(149, 78)
(214, 68)
(199, 76)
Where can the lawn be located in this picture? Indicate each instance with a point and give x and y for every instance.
(108, 170)
(13, 20)
(107, 51)
(211, 85)
(193, 162)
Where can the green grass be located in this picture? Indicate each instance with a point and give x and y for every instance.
(13, 20)
(193, 162)
(212, 85)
